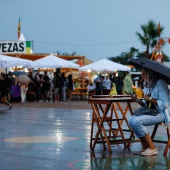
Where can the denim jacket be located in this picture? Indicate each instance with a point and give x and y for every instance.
(161, 93)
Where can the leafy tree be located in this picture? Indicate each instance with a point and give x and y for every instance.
(148, 38)
(149, 35)
(124, 57)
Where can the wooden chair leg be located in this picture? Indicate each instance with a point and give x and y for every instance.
(159, 141)
(168, 142)
(154, 132)
(91, 134)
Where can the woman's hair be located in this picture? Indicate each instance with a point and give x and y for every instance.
(152, 77)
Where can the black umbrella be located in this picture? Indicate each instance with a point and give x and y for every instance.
(162, 70)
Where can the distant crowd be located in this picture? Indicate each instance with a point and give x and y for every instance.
(37, 89)
(41, 88)
(111, 85)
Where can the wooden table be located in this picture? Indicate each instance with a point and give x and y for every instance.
(104, 111)
(79, 92)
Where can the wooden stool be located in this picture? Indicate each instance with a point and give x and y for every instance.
(161, 141)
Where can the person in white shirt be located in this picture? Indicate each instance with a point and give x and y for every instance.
(23, 89)
(106, 85)
(91, 87)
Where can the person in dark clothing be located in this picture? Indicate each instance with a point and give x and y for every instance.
(31, 92)
(8, 85)
(69, 85)
(63, 85)
(37, 82)
(56, 85)
(119, 85)
(45, 86)
(98, 83)
(3, 92)
(30, 76)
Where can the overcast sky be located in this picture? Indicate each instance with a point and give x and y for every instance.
(93, 28)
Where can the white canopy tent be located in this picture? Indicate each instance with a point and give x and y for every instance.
(7, 61)
(52, 61)
(104, 65)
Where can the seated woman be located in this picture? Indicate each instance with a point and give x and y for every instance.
(156, 101)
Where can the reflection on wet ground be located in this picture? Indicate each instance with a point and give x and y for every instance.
(50, 138)
(122, 163)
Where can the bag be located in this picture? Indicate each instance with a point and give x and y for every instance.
(145, 111)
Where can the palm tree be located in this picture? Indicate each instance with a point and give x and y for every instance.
(124, 57)
(149, 35)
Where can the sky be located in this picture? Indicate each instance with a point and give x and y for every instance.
(96, 29)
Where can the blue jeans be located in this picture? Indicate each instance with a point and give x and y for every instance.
(138, 123)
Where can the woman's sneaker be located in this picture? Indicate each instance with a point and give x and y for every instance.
(149, 152)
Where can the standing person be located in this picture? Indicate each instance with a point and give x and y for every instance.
(56, 85)
(106, 85)
(30, 76)
(127, 84)
(45, 86)
(119, 85)
(98, 84)
(63, 86)
(156, 102)
(113, 90)
(15, 90)
(3, 92)
(23, 88)
(37, 82)
(69, 85)
(8, 85)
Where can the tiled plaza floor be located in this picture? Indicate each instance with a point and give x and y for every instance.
(42, 137)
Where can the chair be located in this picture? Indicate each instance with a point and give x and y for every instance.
(162, 141)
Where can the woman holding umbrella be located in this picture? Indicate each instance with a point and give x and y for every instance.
(154, 109)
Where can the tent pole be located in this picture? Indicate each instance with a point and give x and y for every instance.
(51, 85)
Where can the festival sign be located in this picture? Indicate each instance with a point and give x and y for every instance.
(18, 47)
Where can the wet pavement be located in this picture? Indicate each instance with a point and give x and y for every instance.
(38, 137)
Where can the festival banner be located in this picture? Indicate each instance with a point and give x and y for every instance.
(17, 47)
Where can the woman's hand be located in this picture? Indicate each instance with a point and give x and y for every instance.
(146, 97)
(134, 98)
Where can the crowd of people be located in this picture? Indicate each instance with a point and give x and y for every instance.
(111, 85)
(37, 89)
(40, 85)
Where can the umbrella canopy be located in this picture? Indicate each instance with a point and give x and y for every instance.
(18, 73)
(7, 61)
(161, 69)
(24, 79)
(105, 65)
(52, 61)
